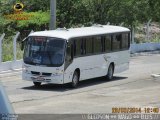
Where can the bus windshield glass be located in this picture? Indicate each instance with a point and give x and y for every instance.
(45, 51)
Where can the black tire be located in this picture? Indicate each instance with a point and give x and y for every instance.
(110, 72)
(75, 80)
(37, 84)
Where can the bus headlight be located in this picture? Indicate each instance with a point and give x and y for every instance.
(24, 69)
(58, 73)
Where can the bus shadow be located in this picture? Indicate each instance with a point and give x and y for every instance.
(65, 87)
(47, 87)
(97, 81)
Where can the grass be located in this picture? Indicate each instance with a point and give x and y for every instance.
(7, 50)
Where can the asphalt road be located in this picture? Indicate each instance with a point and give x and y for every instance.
(133, 88)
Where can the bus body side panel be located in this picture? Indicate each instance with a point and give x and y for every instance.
(120, 60)
(84, 64)
(90, 67)
(97, 65)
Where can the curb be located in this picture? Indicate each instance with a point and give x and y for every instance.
(144, 53)
(155, 75)
(10, 73)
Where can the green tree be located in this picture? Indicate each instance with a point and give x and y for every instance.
(36, 5)
(154, 6)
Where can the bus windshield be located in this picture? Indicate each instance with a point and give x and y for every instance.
(45, 51)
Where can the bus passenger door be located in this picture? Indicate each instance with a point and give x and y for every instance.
(68, 61)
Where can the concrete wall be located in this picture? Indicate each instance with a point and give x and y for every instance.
(10, 65)
(143, 47)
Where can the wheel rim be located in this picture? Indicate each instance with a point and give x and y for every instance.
(75, 80)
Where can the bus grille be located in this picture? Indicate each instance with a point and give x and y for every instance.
(35, 73)
(47, 74)
(38, 73)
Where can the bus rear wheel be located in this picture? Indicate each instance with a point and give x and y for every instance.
(110, 72)
(37, 84)
(75, 80)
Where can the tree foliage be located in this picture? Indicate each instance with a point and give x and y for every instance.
(73, 13)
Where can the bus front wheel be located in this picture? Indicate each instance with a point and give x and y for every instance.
(110, 72)
(37, 84)
(75, 80)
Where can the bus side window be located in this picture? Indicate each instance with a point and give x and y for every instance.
(97, 45)
(83, 46)
(125, 41)
(103, 43)
(108, 44)
(74, 48)
(129, 40)
(77, 47)
(89, 43)
(116, 42)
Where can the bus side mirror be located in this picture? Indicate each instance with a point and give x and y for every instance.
(22, 44)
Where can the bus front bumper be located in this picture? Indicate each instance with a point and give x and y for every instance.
(53, 79)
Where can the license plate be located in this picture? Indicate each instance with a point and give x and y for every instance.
(38, 79)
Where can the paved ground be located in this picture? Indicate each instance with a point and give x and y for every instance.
(133, 88)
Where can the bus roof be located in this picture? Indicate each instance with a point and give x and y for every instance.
(80, 32)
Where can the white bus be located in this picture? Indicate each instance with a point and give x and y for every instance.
(72, 55)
